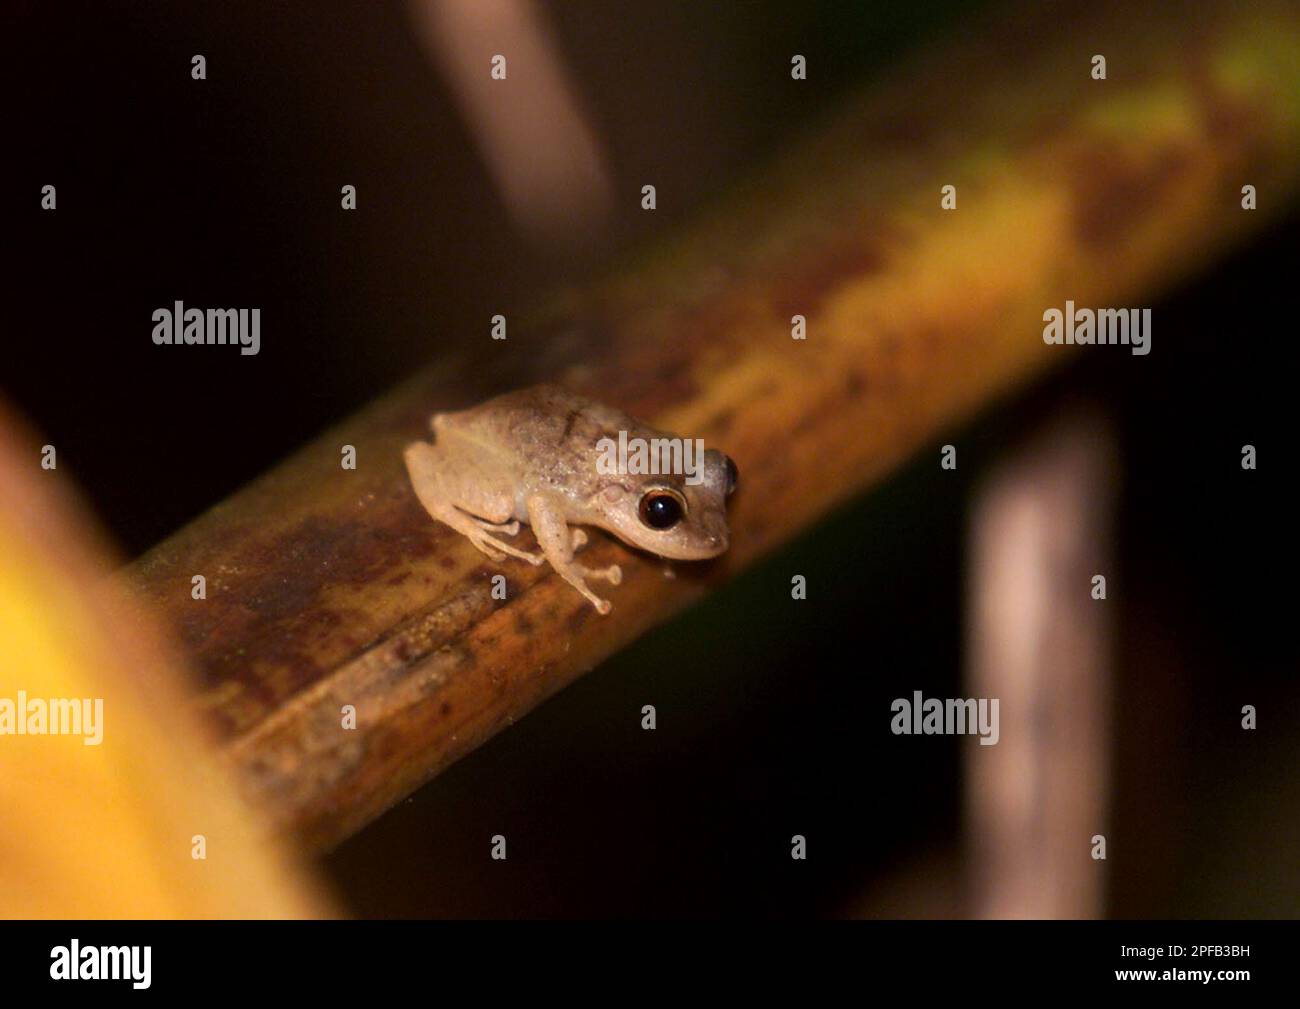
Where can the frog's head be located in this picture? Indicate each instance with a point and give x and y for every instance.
(670, 516)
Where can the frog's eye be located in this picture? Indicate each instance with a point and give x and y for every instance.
(733, 475)
(662, 509)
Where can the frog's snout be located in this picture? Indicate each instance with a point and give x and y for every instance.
(716, 533)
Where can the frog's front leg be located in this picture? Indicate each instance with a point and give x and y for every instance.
(557, 543)
(422, 465)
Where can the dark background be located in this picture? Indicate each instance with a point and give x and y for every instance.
(226, 192)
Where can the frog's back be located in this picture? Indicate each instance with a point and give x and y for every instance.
(542, 428)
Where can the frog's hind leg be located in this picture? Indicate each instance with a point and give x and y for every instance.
(421, 463)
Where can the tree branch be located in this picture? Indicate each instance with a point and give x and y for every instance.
(329, 587)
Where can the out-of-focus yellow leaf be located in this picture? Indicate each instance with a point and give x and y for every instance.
(108, 830)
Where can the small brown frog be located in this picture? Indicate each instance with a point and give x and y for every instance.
(543, 456)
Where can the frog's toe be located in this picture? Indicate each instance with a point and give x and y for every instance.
(612, 574)
(491, 546)
(579, 539)
(496, 555)
(510, 528)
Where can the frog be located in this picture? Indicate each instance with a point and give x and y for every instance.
(534, 456)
